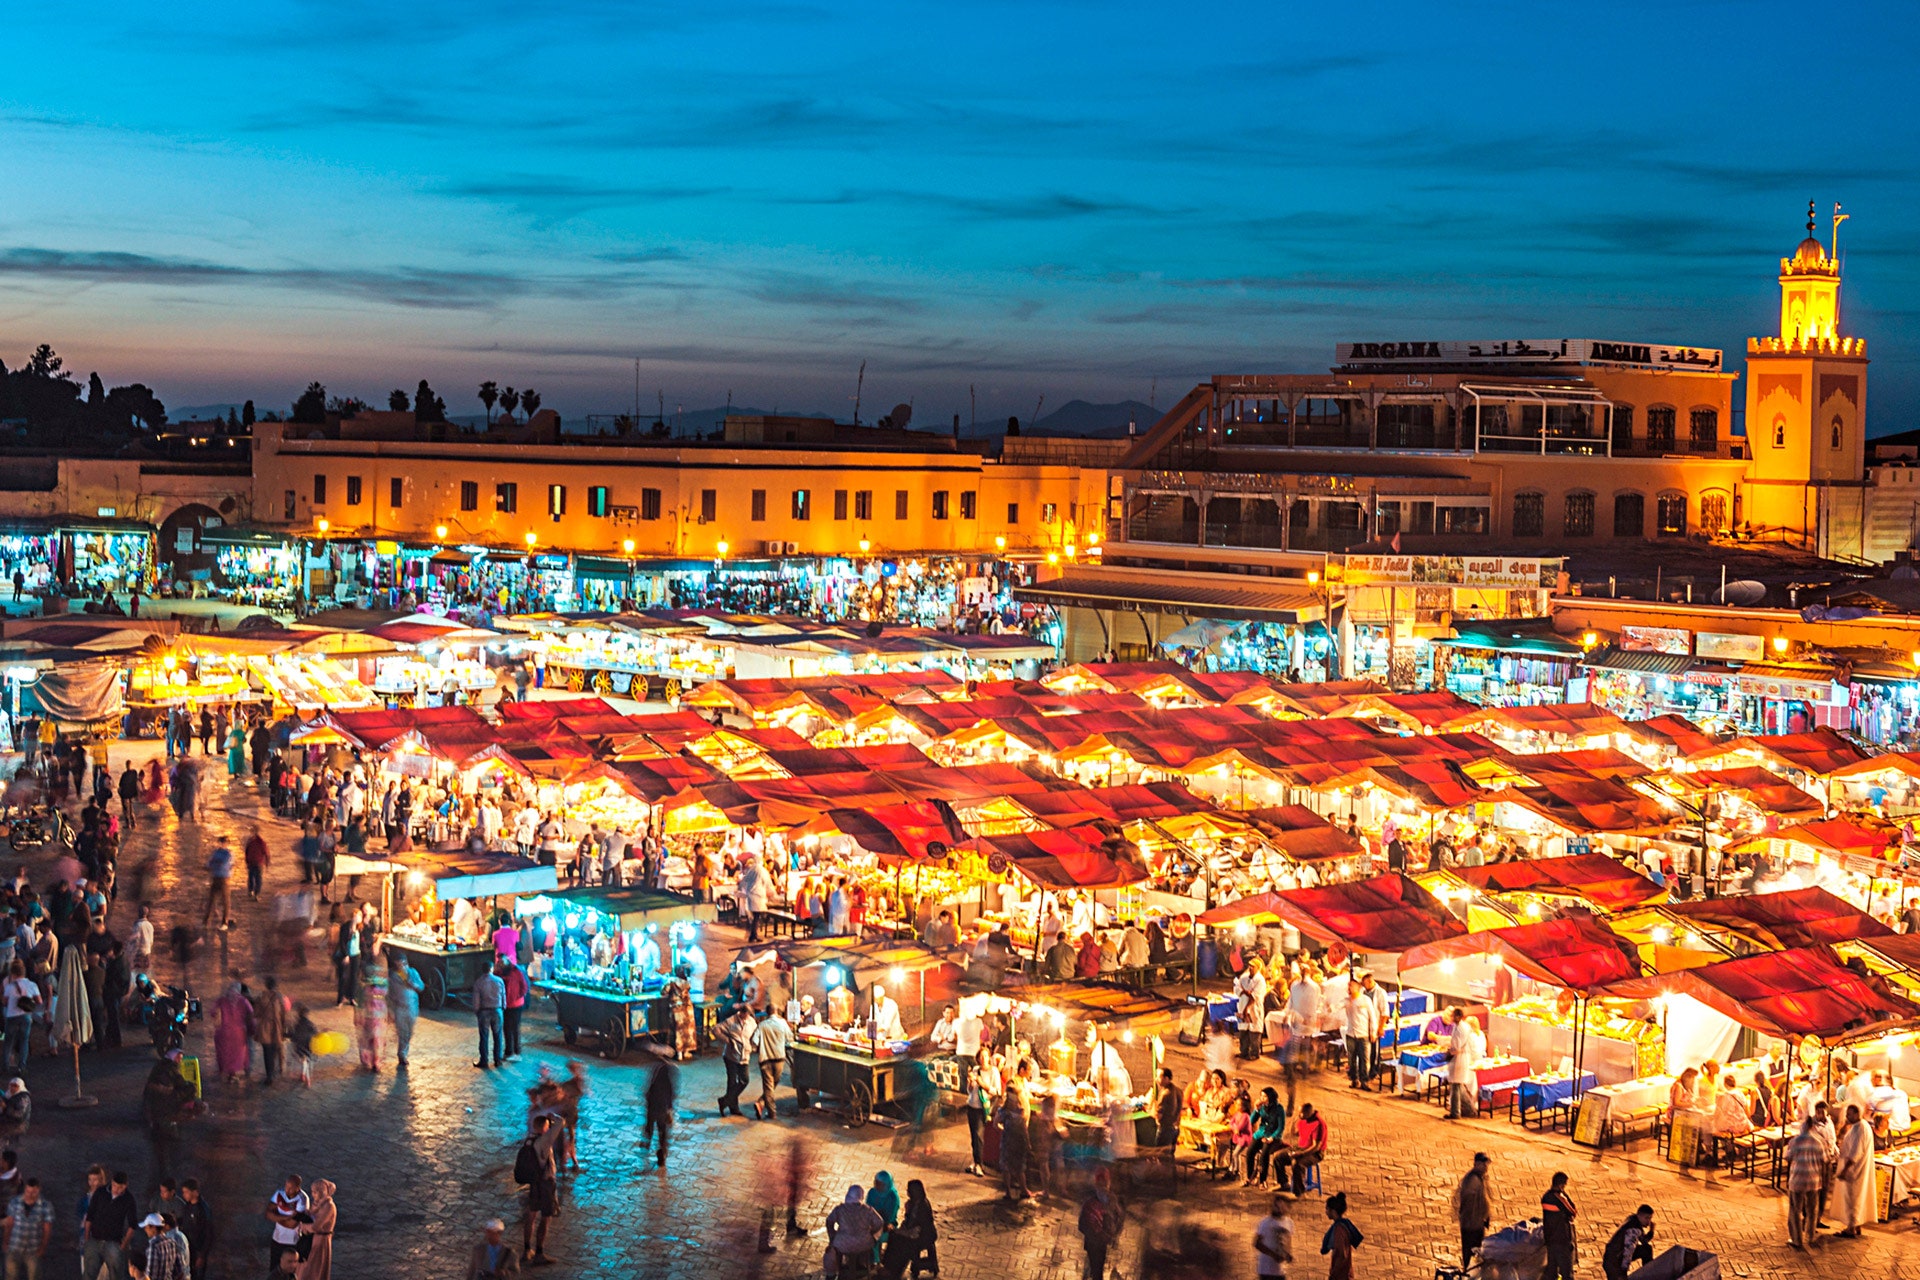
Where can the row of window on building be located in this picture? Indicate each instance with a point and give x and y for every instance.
(1420, 425)
(858, 502)
(1579, 514)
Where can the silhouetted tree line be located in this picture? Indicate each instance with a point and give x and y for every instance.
(58, 409)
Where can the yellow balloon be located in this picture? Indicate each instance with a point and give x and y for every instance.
(328, 1043)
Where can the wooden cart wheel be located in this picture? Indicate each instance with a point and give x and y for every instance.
(859, 1104)
(569, 1033)
(602, 682)
(614, 1033)
(436, 992)
(576, 681)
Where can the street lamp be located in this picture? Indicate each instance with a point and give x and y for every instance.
(1000, 543)
(866, 545)
(1780, 644)
(532, 538)
(440, 532)
(720, 549)
(627, 546)
(322, 525)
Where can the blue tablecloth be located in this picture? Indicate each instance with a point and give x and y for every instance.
(1411, 1003)
(1222, 1008)
(1423, 1060)
(1537, 1094)
(1407, 1032)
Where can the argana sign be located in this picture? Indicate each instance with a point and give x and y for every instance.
(1649, 355)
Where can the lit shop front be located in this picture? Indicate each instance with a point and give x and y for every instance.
(1719, 681)
(1506, 664)
(1391, 608)
(254, 566)
(112, 555)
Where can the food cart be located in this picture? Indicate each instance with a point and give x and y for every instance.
(443, 927)
(1106, 1046)
(614, 951)
(842, 1058)
(850, 1065)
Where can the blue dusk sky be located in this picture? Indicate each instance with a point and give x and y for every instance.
(1071, 200)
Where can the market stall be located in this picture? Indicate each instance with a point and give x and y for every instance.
(1805, 999)
(613, 953)
(1539, 983)
(441, 910)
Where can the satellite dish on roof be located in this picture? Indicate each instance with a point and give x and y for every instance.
(1904, 573)
(1744, 592)
(902, 414)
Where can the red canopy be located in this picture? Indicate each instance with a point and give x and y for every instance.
(1386, 913)
(1803, 992)
(1076, 858)
(1593, 876)
(555, 709)
(1791, 918)
(1575, 951)
(917, 831)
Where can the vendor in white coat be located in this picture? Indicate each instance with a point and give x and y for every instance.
(1463, 1065)
(884, 1020)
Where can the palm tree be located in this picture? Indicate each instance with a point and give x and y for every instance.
(530, 401)
(489, 393)
(509, 401)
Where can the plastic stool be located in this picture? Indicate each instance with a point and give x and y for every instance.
(1311, 1181)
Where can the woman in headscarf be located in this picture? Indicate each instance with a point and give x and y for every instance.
(156, 782)
(853, 1229)
(319, 1262)
(680, 999)
(914, 1241)
(233, 1027)
(884, 1199)
(370, 1019)
(236, 750)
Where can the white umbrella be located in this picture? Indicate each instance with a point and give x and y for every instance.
(73, 1019)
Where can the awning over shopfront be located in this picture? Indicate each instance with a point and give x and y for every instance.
(1575, 951)
(639, 908)
(1830, 835)
(1803, 992)
(1244, 600)
(1535, 637)
(913, 832)
(457, 874)
(1763, 788)
(1638, 661)
(1387, 913)
(1595, 877)
(1592, 806)
(1790, 918)
(1080, 858)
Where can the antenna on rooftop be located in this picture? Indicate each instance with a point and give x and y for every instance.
(859, 385)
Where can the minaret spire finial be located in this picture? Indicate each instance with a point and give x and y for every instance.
(1812, 220)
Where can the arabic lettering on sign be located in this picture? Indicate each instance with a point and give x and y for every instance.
(1531, 351)
(1461, 571)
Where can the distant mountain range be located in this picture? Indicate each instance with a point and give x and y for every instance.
(1099, 421)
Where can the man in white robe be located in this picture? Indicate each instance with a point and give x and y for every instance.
(1853, 1180)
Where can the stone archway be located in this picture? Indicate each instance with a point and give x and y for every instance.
(180, 543)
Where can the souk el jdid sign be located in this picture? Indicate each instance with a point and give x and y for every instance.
(1458, 571)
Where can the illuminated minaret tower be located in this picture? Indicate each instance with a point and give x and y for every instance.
(1806, 404)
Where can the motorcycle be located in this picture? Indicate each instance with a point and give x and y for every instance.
(36, 827)
(165, 1012)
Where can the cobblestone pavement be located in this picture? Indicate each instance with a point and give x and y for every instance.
(423, 1157)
